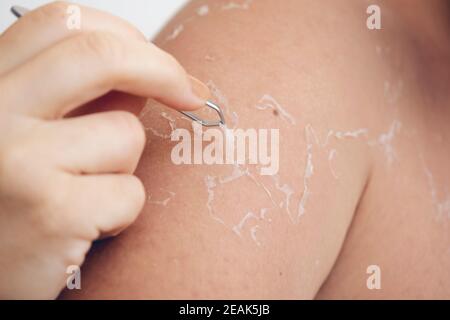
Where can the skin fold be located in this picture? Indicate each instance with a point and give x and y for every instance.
(364, 149)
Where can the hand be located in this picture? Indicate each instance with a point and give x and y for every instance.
(65, 182)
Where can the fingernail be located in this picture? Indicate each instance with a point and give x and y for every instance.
(200, 90)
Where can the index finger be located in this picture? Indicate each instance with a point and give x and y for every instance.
(84, 67)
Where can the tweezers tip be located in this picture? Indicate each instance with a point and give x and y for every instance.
(18, 11)
(207, 123)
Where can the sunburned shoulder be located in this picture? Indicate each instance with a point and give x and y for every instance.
(270, 221)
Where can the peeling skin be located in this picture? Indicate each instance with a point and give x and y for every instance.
(253, 231)
(351, 134)
(245, 5)
(158, 134)
(217, 93)
(331, 156)
(164, 202)
(211, 183)
(442, 207)
(238, 172)
(268, 102)
(385, 141)
(144, 112)
(238, 228)
(222, 100)
(312, 138)
(171, 120)
(203, 10)
(287, 191)
(259, 184)
(175, 33)
(248, 217)
(340, 135)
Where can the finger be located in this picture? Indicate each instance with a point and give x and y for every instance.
(47, 25)
(106, 142)
(87, 66)
(109, 203)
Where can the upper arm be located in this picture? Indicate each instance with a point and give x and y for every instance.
(221, 231)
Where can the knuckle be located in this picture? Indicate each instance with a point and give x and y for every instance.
(51, 13)
(106, 48)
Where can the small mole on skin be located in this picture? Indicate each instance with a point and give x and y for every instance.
(275, 113)
(281, 273)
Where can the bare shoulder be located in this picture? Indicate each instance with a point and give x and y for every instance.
(296, 74)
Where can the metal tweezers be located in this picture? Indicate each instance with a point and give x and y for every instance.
(19, 11)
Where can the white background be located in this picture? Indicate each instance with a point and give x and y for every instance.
(147, 15)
